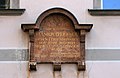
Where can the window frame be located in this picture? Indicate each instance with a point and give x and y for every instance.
(10, 4)
(100, 11)
(12, 9)
(97, 4)
(14, 4)
(5, 4)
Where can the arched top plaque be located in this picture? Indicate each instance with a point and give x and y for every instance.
(56, 40)
(56, 37)
(57, 11)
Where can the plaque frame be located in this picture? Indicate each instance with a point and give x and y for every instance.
(32, 28)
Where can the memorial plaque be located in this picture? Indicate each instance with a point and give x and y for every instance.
(57, 40)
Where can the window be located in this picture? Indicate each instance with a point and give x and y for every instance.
(4, 4)
(9, 4)
(106, 4)
(105, 8)
(10, 7)
(111, 4)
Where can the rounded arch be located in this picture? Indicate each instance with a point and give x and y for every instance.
(56, 11)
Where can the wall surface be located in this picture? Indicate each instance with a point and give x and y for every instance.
(104, 37)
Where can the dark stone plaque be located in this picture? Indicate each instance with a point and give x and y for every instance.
(57, 40)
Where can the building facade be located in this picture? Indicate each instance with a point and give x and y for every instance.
(102, 42)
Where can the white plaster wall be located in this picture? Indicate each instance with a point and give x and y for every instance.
(13, 69)
(12, 37)
(94, 70)
(104, 35)
(103, 69)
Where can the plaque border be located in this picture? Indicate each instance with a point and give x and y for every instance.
(32, 28)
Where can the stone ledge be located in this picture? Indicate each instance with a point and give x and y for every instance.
(11, 12)
(104, 12)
